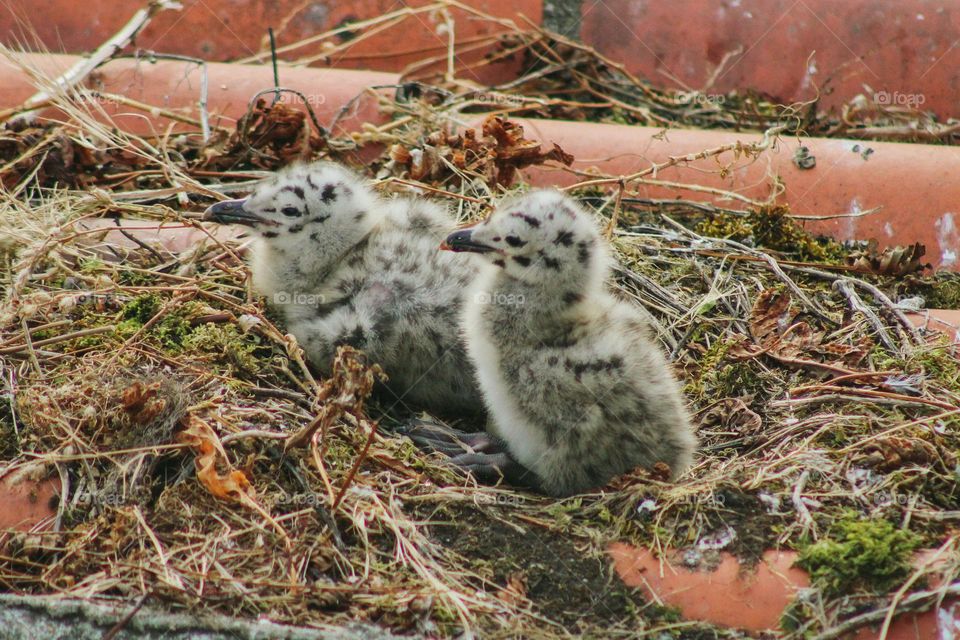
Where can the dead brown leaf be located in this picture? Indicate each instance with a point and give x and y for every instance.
(770, 316)
(346, 390)
(232, 485)
(514, 593)
(892, 261)
(497, 154)
(892, 453)
(778, 333)
(268, 136)
(732, 414)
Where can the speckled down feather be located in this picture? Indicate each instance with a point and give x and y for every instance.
(347, 267)
(574, 382)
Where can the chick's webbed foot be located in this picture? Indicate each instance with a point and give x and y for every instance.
(480, 454)
(491, 468)
(434, 436)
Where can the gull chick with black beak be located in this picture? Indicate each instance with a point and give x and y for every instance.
(576, 388)
(347, 267)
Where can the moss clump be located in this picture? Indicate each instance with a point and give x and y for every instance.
(135, 279)
(773, 228)
(859, 555)
(91, 265)
(936, 361)
(141, 309)
(9, 442)
(945, 293)
(719, 377)
(709, 363)
(725, 225)
(227, 346)
(939, 291)
(173, 330)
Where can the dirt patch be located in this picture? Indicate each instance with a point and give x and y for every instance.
(747, 515)
(563, 583)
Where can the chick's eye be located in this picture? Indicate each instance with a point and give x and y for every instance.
(291, 212)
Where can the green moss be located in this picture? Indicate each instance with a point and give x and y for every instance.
(129, 278)
(708, 364)
(91, 265)
(843, 432)
(772, 228)
(941, 364)
(564, 513)
(126, 328)
(173, 330)
(939, 291)
(719, 377)
(227, 346)
(724, 225)
(859, 555)
(945, 294)
(141, 308)
(87, 342)
(936, 361)
(735, 379)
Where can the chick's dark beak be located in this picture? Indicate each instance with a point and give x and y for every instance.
(462, 240)
(232, 212)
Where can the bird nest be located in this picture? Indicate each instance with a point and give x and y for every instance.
(203, 466)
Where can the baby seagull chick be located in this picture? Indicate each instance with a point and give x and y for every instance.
(576, 388)
(349, 268)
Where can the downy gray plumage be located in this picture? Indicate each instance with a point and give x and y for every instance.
(347, 267)
(576, 387)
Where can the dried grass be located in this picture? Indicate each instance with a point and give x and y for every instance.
(814, 398)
